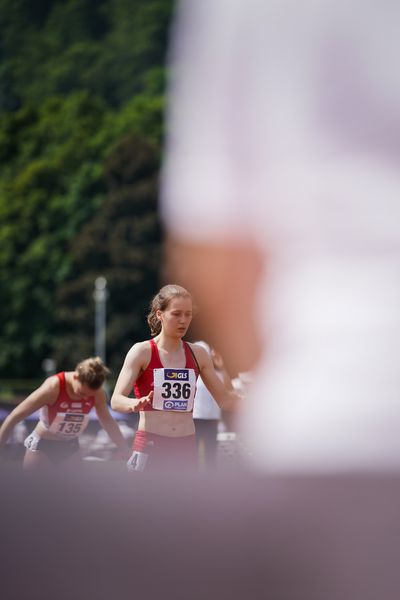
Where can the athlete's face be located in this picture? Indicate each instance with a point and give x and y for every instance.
(176, 318)
(80, 389)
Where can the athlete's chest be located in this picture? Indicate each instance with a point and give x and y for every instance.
(65, 404)
(67, 417)
(172, 360)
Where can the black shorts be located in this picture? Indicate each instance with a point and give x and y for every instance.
(56, 451)
(162, 453)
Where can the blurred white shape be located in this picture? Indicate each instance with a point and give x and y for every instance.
(18, 434)
(284, 127)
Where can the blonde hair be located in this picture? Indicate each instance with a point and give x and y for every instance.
(161, 301)
(92, 372)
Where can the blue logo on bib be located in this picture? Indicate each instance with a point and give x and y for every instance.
(177, 374)
(175, 405)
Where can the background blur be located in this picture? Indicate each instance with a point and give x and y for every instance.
(81, 104)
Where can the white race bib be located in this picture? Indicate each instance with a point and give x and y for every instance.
(174, 389)
(137, 461)
(69, 424)
(32, 441)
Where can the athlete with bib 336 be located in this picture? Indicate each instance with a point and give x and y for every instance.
(163, 372)
(65, 401)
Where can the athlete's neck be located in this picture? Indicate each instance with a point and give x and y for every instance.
(167, 343)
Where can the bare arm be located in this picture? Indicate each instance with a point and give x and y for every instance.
(227, 381)
(45, 394)
(136, 360)
(107, 422)
(227, 399)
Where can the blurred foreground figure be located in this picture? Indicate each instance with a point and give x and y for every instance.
(64, 401)
(284, 539)
(281, 195)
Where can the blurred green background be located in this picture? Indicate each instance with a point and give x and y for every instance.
(82, 89)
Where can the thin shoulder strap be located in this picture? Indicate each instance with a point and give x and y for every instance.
(61, 378)
(194, 356)
(155, 360)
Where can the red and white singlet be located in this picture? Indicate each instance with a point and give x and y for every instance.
(67, 418)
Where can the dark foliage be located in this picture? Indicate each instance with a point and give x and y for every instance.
(81, 105)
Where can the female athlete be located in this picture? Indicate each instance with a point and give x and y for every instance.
(163, 373)
(65, 401)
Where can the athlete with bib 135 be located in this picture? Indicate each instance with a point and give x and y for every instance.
(65, 401)
(163, 373)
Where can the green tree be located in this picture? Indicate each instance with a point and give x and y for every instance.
(76, 78)
(122, 243)
(105, 47)
(50, 182)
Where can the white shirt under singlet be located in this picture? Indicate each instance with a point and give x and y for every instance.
(205, 406)
(284, 124)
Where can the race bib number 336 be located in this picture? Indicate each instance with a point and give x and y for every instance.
(174, 389)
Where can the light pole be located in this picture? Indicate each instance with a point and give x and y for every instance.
(100, 298)
(49, 366)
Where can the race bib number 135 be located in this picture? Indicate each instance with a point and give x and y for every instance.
(174, 389)
(69, 424)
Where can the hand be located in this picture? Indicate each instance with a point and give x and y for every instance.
(231, 403)
(142, 402)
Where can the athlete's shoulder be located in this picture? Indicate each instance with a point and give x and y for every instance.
(199, 352)
(100, 395)
(140, 350)
(195, 347)
(52, 382)
(50, 387)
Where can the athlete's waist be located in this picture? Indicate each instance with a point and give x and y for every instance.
(43, 432)
(166, 423)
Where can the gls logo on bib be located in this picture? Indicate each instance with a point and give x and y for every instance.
(181, 374)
